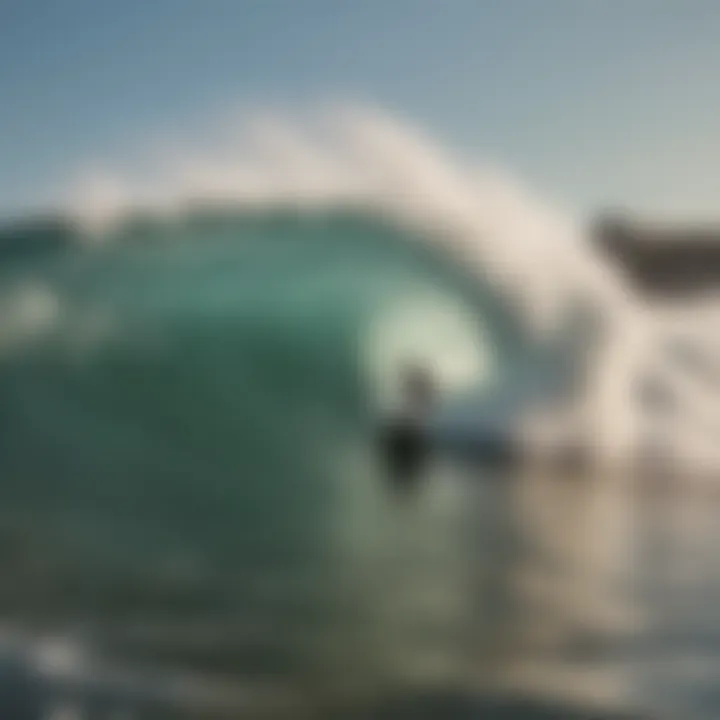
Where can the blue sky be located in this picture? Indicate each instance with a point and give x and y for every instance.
(594, 102)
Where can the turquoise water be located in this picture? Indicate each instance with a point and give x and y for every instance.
(196, 385)
(190, 487)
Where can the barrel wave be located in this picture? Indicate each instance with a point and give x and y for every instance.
(194, 518)
(197, 347)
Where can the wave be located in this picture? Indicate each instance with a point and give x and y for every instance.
(191, 361)
(367, 170)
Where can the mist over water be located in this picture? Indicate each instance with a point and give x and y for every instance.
(191, 382)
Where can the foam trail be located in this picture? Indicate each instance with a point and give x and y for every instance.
(368, 159)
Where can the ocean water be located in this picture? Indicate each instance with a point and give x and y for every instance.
(195, 522)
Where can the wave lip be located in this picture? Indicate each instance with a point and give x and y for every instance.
(367, 160)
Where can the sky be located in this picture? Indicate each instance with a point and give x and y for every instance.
(597, 103)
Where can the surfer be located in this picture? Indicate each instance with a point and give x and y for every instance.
(405, 439)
